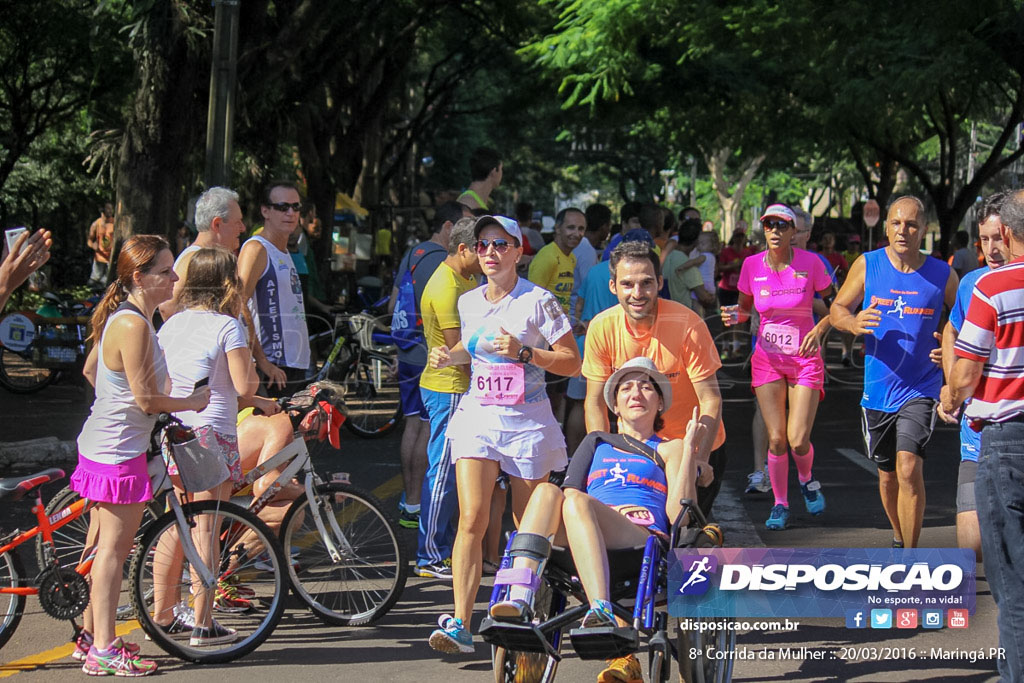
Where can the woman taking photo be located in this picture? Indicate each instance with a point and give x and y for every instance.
(126, 365)
(620, 489)
(206, 341)
(512, 332)
(786, 364)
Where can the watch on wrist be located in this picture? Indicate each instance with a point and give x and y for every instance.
(525, 354)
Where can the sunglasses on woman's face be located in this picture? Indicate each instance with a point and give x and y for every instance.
(777, 226)
(500, 246)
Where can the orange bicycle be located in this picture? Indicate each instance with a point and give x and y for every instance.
(63, 591)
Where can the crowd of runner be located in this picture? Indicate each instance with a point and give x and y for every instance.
(580, 376)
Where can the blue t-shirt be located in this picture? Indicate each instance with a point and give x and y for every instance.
(424, 258)
(897, 368)
(970, 440)
(596, 295)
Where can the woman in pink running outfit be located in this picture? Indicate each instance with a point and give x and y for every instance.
(781, 283)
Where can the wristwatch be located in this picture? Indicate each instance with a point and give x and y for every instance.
(525, 354)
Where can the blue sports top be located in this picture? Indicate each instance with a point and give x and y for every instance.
(897, 368)
(970, 440)
(627, 481)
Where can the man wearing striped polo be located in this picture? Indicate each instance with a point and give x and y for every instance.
(990, 370)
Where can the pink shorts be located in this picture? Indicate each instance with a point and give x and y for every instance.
(795, 370)
(121, 484)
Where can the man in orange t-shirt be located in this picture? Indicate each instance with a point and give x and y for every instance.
(672, 336)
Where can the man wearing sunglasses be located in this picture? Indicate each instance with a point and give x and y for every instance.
(271, 285)
(904, 292)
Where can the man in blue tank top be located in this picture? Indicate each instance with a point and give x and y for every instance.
(904, 292)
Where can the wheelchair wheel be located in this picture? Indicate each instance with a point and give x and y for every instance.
(511, 666)
(698, 652)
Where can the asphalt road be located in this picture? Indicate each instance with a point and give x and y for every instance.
(395, 648)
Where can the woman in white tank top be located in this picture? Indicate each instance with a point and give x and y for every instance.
(127, 368)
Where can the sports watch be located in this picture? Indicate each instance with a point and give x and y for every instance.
(525, 354)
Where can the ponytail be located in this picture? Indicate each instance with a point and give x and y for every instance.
(112, 298)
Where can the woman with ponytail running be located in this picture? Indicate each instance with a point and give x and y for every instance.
(126, 365)
(786, 365)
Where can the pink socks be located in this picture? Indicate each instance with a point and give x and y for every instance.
(803, 464)
(778, 473)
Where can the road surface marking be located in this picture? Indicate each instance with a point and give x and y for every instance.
(858, 459)
(384, 491)
(60, 652)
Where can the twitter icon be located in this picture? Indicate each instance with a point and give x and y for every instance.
(881, 618)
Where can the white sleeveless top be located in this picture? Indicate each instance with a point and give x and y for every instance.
(117, 429)
(187, 250)
(278, 310)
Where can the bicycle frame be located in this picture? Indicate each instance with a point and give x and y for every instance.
(46, 526)
(298, 455)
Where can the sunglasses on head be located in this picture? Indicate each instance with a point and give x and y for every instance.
(501, 246)
(776, 225)
(284, 206)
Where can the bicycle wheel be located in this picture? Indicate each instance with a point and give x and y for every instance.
(698, 662)
(69, 540)
(19, 375)
(249, 557)
(512, 666)
(369, 576)
(372, 400)
(11, 606)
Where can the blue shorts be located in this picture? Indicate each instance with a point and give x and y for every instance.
(409, 390)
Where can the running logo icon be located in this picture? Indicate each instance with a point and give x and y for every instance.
(696, 580)
(898, 307)
(618, 474)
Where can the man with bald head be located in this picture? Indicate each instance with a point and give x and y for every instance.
(904, 293)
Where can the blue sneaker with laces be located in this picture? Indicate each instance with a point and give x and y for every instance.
(451, 637)
(779, 517)
(599, 615)
(814, 499)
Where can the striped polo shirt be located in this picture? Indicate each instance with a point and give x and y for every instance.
(993, 333)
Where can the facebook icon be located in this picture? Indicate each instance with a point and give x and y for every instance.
(856, 618)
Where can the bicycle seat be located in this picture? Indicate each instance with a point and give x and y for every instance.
(15, 488)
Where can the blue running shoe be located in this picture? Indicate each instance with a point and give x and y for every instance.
(813, 497)
(452, 637)
(599, 615)
(779, 518)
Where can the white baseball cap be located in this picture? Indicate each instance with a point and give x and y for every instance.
(780, 211)
(507, 224)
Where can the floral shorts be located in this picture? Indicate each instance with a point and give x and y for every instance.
(224, 444)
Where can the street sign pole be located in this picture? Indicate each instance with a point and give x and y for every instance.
(223, 75)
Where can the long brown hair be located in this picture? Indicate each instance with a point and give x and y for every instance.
(211, 283)
(138, 254)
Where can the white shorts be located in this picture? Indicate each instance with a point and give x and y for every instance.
(528, 446)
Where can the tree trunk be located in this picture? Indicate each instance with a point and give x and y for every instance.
(728, 192)
(164, 121)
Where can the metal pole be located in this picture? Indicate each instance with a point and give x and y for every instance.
(223, 76)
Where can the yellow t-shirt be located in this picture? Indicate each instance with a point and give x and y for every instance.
(552, 269)
(440, 311)
(382, 247)
(680, 346)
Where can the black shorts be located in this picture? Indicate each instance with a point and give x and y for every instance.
(728, 297)
(965, 501)
(557, 384)
(296, 379)
(908, 429)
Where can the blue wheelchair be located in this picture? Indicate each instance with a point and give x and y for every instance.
(530, 652)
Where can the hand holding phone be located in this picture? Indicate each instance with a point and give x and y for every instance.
(12, 236)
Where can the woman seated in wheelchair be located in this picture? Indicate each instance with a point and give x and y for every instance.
(619, 489)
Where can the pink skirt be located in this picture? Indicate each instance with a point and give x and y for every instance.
(121, 484)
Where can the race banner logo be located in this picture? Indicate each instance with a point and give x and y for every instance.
(818, 582)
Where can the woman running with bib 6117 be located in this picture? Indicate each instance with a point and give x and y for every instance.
(512, 331)
(781, 282)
